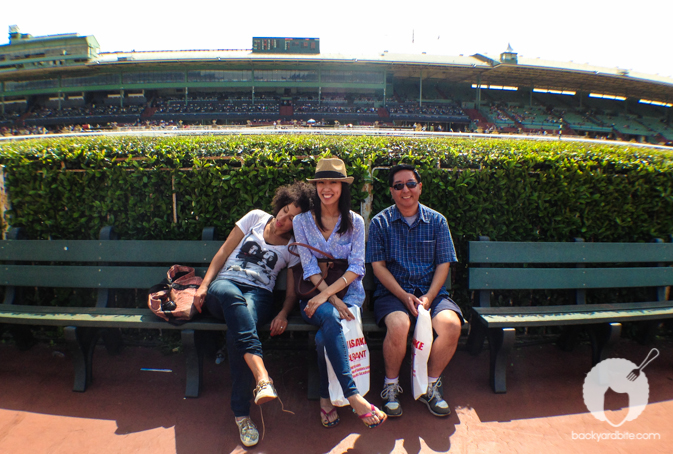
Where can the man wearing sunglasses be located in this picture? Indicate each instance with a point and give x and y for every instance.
(410, 249)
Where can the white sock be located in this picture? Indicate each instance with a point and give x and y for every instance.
(393, 381)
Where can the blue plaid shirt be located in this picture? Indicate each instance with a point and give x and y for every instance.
(411, 253)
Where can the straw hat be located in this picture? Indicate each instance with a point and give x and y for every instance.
(331, 169)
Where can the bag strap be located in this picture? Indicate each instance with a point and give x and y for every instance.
(163, 286)
(177, 286)
(326, 254)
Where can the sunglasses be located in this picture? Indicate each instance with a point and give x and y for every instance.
(409, 184)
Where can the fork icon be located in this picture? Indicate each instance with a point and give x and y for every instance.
(635, 373)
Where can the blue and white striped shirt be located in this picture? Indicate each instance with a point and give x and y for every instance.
(411, 253)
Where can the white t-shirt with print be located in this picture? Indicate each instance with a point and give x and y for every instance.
(255, 262)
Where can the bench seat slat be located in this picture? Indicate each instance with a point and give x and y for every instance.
(551, 252)
(568, 278)
(130, 318)
(140, 277)
(126, 251)
(512, 317)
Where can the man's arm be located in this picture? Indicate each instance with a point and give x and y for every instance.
(438, 281)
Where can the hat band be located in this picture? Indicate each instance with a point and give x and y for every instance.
(324, 174)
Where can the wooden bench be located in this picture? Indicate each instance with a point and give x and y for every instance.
(106, 265)
(578, 266)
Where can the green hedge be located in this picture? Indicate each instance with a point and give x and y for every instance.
(505, 189)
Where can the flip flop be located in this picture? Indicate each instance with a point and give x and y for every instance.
(326, 422)
(372, 413)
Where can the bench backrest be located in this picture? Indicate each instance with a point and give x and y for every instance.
(496, 265)
(98, 263)
(111, 264)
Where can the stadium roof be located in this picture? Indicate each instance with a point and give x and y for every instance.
(527, 73)
(475, 69)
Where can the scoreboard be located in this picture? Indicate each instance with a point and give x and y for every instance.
(286, 45)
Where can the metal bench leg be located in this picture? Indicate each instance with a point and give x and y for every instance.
(193, 363)
(313, 373)
(475, 340)
(500, 341)
(603, 338)
(81, 343)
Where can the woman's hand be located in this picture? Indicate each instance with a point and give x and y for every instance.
(314, 303)
(278, 324)
(342, 308)
(200, 296)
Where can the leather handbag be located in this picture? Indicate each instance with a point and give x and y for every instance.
(331, 270)
(173, 298)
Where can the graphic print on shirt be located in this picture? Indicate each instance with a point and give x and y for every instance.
(254, 261)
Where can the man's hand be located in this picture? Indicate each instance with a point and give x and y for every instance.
(412, 303)
(425, 301)
(278, 324)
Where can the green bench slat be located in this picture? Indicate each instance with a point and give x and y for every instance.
(140, 277)
(126, 251)
(528, 252)
(130, 318)
(512, 317)
(568, 278)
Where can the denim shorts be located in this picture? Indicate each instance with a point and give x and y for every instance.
(389, 303)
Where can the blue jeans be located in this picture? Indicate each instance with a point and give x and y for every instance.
(243, 308)
(330, 338)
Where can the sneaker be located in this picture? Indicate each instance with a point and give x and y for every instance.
(434, 400)
(248, 432)
(221, 355)
(264, 392)
(391, 405)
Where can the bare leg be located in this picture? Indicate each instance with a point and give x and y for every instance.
(256, 365)
(447, 326)
(395, 343)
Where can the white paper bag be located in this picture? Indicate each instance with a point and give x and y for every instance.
(358, 356)
(421, 345)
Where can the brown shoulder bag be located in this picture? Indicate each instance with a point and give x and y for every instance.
(331, 270)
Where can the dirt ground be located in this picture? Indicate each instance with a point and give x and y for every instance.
(131, 410)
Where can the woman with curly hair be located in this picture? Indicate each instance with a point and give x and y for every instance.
(238, 288)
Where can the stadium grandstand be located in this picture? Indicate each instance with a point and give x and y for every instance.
(61, 82)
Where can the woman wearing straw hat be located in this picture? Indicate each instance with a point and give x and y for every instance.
(332, 227)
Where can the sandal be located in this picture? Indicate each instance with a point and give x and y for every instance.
(324, 418)
(375, 411)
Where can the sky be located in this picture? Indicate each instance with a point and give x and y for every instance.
(633, 35)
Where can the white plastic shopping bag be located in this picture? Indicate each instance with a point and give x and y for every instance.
(358, 358)
(421, 346)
